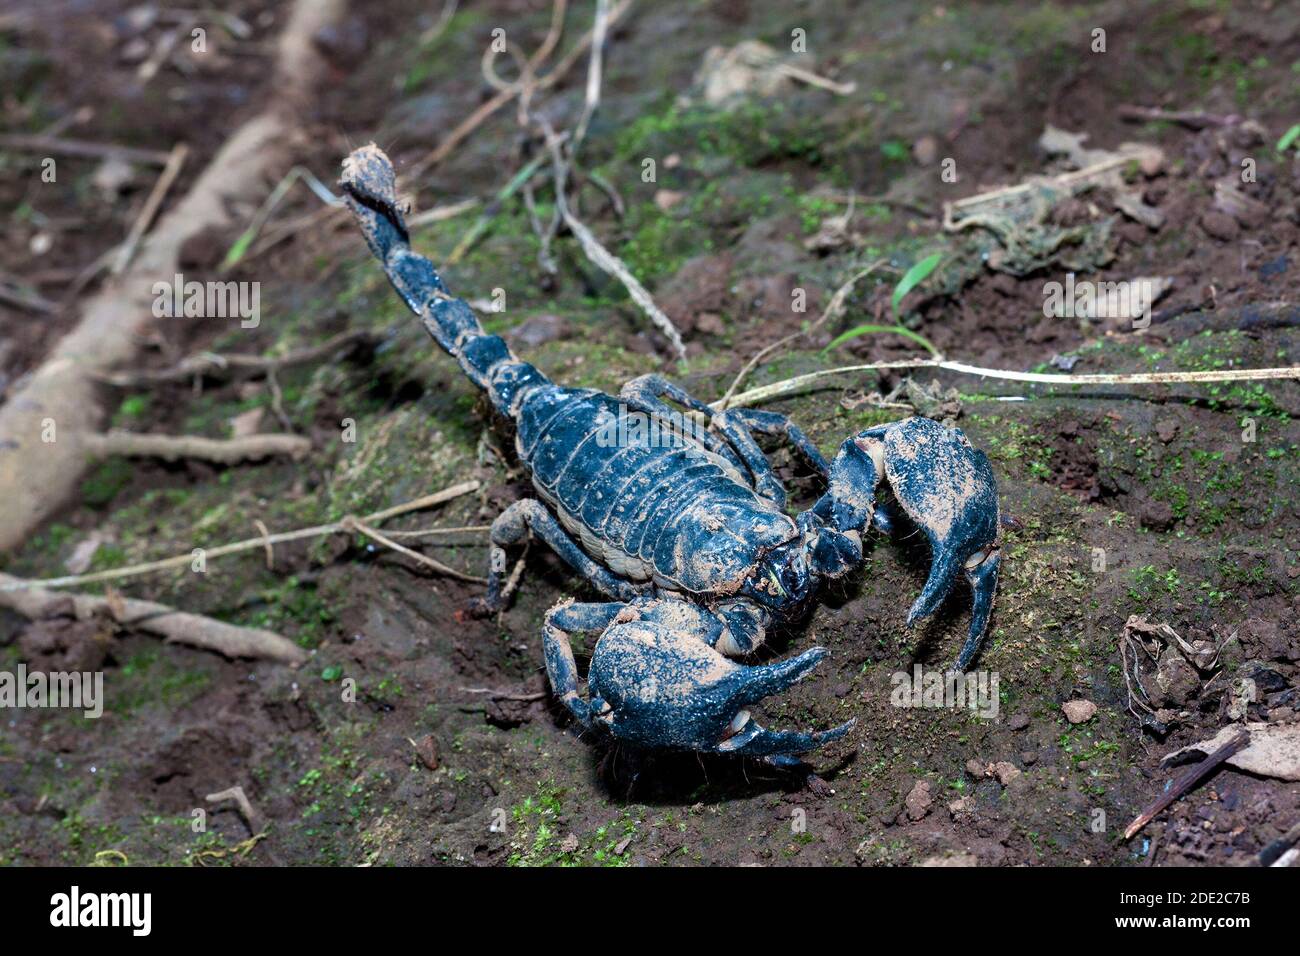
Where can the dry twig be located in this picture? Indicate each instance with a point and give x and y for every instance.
(84, 149)
(832, 311)
(798, 382)
(356, 524)
(601, 257)
(126, 252)
(261, 541)
(209, 363)
(173, 447)
(1193, 119)
(1185, 782)
(33, 601)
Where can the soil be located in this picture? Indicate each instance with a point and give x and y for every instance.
(417, 736)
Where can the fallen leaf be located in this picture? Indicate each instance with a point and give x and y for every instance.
(1273, 750)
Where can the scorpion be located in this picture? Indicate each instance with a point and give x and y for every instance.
(685, 531)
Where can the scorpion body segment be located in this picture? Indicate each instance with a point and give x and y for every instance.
(656, 512)
(685, 528)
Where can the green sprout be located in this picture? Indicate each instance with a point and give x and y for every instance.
(1288, 138)
(911, 279)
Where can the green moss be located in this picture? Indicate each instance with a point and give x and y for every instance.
(751, 134)
(105, 480)
(302, 611)
(660, 243)
(431, 60)
(536, 838)
(133, 408)
(149, 678)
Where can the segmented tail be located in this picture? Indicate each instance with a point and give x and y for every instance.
(370, 190)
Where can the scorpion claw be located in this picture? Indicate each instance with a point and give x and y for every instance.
(983, 579)
(754, 740)
(660, 686)
(768, 679)
(946, 486)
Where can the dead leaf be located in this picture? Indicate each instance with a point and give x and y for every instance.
(1132, 205)
(748, 68)
(1273, 750)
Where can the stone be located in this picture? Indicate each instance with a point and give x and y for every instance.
(919, 800)
(1079, 711)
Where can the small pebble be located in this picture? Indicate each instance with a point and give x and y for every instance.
(919, 800)
(1005, 771)
(1079, 711)
(1221, 226)
(426, 748)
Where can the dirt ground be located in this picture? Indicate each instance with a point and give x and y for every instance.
(1175, 504)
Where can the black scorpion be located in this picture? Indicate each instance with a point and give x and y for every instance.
(685, 529)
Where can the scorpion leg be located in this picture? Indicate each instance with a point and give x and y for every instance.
(651, 389)
(886, 518)
(645, 394)
(512, 527)
(561, 621)
(778, 425)
(740, 425)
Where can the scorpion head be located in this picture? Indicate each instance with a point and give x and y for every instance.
(786, 577)
(654, 683)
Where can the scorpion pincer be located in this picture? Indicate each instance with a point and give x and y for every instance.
(685, 530)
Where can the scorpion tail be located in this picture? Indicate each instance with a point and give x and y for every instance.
(370, 190)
